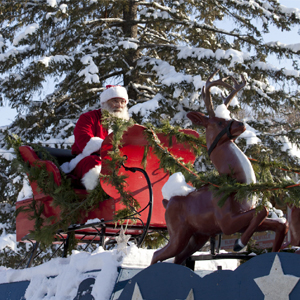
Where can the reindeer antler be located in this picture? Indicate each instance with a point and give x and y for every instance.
(235, 89)
(206, 91)
(221, 81)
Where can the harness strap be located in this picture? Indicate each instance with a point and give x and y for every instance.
(218, 137)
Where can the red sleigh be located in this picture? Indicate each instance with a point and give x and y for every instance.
(144, 185)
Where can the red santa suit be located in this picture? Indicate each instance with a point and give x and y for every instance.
(89, 135)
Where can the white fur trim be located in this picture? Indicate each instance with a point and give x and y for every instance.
(114, 92)
(93, 145)
(91, 178)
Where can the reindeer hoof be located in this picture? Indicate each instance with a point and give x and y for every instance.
(238, 245)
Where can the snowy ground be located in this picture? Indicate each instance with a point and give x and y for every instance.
(60, 277)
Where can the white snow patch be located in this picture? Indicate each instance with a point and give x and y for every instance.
(52, 3)
(61, 59)
(91, 221)
(63, 8)
(145, 108)
(289, 147)
(250, 135)
(128, 45)
(8, 240)
(90, 72)
(7, 154)
(26, 191)
(30, 29)
(176, 186)
(60, 277)
(221, 111)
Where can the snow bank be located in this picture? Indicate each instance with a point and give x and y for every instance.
(60, 277)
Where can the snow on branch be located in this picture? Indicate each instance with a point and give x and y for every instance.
(295, 48)
(90, 72)
(30, 29)
(289, 11)
(56, 59)
(268, 67)
(235, 56)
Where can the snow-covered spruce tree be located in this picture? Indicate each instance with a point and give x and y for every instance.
(163, 52)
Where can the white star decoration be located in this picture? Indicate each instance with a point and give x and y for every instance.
(138, 296)
(122, 241)
(276, 285)
(136, 293)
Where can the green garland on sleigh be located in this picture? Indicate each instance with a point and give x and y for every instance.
(72, 207)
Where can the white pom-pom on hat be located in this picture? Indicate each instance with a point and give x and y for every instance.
(114, 91)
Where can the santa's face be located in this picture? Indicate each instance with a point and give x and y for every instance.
(117, 107)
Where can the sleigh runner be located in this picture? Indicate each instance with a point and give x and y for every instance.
(99, 224)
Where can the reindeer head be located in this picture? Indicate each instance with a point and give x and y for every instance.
(218, 130)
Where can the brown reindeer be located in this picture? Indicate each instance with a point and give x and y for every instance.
(193, 219)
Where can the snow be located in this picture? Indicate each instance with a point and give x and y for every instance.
(72, 269)
(166, 73)
(176, 186)
(59, 278)
(235, 57)
(90, 72)
(30, 29)
(8, 240)
(147, 107)
(7, 154)
(250, 135)
(52, 3)
(221, 111)
(128, 45)
(26, 191)
(63, 8)
(46, 60)
(289, 147)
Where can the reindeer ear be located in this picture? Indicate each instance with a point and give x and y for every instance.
(198, 118)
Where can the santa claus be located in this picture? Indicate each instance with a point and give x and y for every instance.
(89, 135)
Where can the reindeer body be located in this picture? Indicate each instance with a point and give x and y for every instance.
(194, 218)
(237, 164)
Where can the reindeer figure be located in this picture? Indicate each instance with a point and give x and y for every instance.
(194, 218)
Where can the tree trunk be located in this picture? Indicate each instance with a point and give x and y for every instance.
(130, 55)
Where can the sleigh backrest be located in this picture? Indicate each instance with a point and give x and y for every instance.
(29, 155)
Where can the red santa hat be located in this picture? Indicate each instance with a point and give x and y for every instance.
(114, 91)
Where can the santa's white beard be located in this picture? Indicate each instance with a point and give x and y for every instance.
(119, 114)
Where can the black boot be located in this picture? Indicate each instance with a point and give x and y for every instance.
(237, 247)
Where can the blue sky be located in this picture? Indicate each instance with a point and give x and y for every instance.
(7, 114)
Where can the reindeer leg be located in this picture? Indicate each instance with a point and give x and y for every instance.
(176, 244)
(196, 242)
(280, 228)
(247, 221)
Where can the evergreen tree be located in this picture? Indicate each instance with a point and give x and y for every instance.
(162, 51)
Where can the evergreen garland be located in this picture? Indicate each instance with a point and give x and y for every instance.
(223, 185)
(118, 126)
(72, 206)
